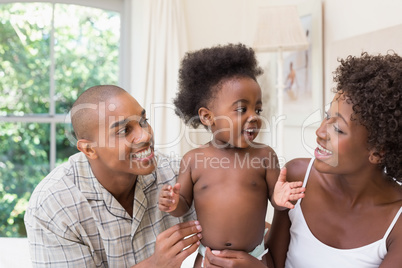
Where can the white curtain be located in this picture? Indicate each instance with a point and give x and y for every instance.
(159, 42)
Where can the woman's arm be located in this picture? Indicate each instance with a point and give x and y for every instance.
(279, 235)
(278, 238)
(394, 245)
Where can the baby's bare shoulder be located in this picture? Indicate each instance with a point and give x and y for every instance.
(263, 149)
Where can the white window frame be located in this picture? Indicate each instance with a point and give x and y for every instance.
(120, 6)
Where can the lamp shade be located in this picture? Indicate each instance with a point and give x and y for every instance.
(279, 27)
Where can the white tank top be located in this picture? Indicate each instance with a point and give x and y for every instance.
(306, 251)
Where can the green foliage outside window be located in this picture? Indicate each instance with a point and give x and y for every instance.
(86, 51)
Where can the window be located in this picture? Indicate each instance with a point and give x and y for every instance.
(49, 54)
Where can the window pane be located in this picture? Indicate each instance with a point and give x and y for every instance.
(24, 161)
(65, 144)
(86, 51)
(24, 58)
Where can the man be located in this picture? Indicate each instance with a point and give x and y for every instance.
(100, 208)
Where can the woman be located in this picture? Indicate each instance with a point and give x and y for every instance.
(350, 216)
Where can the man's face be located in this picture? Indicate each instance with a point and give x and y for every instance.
(124, 139)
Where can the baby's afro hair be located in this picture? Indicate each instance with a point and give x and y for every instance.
(373, 83)
(202, 72)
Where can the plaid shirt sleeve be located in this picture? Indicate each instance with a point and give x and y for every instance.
(51, 227)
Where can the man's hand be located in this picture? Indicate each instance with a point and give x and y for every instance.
(174, 245)
(169, 197)
(285, 192)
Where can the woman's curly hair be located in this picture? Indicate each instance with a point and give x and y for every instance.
(373, 83)
(202, 72)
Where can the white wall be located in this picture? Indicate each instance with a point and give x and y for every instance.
(212, 22)
(344, 19)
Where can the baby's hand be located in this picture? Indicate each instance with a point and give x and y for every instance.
(169, 197)
(285, 192)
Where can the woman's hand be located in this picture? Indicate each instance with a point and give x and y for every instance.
(231, 259)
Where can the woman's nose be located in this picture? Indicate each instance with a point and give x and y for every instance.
(321, 131)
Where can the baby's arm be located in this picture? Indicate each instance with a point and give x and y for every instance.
(284, 192)
(177, 200)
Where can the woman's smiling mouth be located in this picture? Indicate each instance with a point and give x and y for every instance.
(322, 151)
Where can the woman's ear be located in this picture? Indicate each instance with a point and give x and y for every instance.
(87, 147)
(375, 157)
(206, 116)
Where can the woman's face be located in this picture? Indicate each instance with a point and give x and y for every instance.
(342, 142)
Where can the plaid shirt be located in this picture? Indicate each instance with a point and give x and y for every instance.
(73, 221)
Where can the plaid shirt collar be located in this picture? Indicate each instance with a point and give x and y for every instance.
(92, 189)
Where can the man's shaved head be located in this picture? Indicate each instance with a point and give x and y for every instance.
(84, 113)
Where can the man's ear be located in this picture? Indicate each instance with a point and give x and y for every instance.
(87, 147)
(375, 157)
(206, 116)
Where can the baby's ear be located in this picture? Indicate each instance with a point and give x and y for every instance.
(206, 116)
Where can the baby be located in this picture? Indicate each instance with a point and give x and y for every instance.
(231, 178)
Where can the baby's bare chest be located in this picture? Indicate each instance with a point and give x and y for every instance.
(234, 180)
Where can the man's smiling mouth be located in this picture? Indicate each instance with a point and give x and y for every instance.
(143, 154)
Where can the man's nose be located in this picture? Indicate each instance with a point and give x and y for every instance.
(143, 135)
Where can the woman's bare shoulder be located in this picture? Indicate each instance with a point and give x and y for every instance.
(296, 169)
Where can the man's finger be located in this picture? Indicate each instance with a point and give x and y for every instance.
(189, 227)
(181, 233)
(188, 251)
(187, 242)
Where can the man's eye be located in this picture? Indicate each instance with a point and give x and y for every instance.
(144, 122)
(123, 131)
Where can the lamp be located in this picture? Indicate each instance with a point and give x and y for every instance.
(279, 29)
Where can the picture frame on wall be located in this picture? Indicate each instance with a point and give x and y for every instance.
(303, 70)
(303, 95)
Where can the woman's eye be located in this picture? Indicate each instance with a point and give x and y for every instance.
(338, 130)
